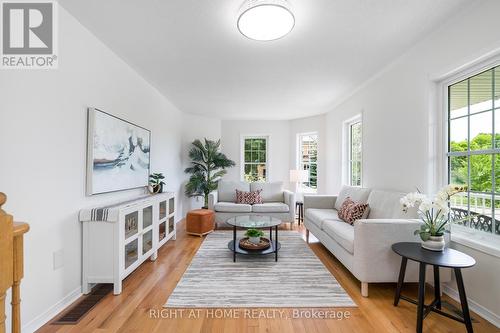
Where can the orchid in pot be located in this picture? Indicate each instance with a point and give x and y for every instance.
(434, 213)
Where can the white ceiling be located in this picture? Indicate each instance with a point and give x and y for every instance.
(193, 53)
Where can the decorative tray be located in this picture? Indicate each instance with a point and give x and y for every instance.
(247, 245)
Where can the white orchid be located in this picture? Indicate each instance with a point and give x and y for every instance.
(411, 200)
(426, 205)
(434, 213)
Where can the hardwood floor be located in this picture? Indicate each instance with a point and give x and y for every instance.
(147, 289)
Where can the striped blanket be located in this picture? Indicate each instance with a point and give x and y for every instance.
(107, 213)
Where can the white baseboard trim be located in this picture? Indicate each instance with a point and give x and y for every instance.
(474, 306)
(51, 312)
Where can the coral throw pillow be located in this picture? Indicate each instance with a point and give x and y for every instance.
(350, 211)
(249, 198)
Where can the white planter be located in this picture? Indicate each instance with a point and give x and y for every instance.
(434, 243)
(255, 240)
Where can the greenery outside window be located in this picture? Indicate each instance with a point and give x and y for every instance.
(355, 152)
(254, 158)
(308, 159)
(474, 149)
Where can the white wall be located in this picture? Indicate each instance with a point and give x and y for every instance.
(400, 108)
(43, 144)
(196, 127)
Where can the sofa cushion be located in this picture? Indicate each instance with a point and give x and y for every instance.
(341, 232)
(385, 204)
(357, 194)
(317, 215)
(231, 207)
(270, 207)
(271, 192)
(227, 190)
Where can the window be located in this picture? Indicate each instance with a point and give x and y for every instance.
(254, 158)
(308, 158)
(474, 149)
(354, 151)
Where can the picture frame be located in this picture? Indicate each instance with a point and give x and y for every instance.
(118, 153)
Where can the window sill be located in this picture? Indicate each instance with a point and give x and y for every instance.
(476, 240)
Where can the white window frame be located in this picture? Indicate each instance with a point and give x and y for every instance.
(242, 153)
(346, 151)
(476, 239)
(298, 160)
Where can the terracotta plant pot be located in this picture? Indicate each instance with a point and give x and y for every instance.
(434, 243)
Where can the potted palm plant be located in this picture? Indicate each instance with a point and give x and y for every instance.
(254, 235)
(434, 213)
(208, 165)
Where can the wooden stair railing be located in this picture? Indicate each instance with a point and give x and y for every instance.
(11, 265)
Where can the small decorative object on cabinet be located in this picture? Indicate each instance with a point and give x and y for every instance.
(156, 182)
(120, 237)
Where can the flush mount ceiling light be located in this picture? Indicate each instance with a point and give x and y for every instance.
(265, 20)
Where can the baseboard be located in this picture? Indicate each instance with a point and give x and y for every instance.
(474, 306)
(51, 312)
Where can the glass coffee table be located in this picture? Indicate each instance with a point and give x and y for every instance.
(254, 222)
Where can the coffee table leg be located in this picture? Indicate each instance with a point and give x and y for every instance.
(421, 297)
(234, 243)
(437, 287)
(271, 234)
(276, 248)
(463, 300)
(401, 280)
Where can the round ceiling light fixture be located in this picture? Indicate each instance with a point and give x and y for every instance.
(265, 20)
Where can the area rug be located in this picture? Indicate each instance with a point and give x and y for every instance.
(298, 279)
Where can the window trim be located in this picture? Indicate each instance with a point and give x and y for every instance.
(475, 239)
(346, 151)
(480, 241)
(298, 154)
(266, 137)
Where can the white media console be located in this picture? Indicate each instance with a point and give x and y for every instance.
(120, 237)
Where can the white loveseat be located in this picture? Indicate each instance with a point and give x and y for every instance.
(277, 202)
(365, 248)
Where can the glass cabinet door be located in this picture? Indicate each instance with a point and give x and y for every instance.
(163, 209)
(131, 254)
(162, 231)
(147, 217)
(171, 225)
(171, 205)
(131, 224)
(147, 242)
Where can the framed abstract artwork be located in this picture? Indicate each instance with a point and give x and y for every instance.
(118, 153)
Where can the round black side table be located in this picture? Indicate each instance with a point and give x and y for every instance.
(448, 258)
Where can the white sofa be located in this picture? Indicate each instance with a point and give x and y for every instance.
(365, 248)
(278, 202)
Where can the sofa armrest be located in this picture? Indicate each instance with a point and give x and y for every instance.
(319, 201)
(212, 200)
(289, 199)
(373, 238)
